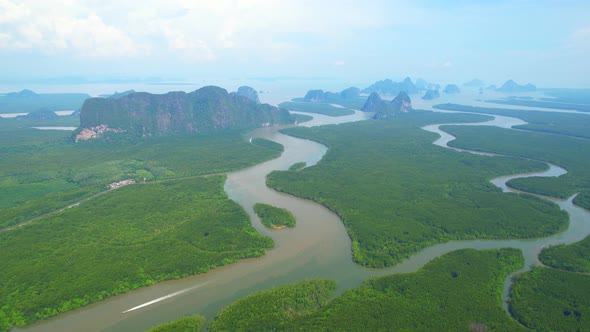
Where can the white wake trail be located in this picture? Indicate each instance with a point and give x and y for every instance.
(163, 298)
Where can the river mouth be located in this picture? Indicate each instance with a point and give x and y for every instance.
(318, 247)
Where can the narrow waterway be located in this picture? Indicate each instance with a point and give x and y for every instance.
(318, 247)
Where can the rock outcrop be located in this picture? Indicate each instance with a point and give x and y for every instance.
(389, 87)
(374, 104)
(474, 83)
(451, 89)
(400, 104)
(431, 94)
(331, 97)
(209, 108)
(511, 86)
(248, 92)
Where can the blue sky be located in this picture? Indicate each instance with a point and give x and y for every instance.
(543, 42)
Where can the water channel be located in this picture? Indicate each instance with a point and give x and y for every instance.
(318, 247)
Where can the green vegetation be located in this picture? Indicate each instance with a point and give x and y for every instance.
(557, 123)
(298, 166)
(319, 108)
(460, 291)
(300, 118)
(574, 257)
(274, 217)
(186, 324)
(575, 96)
(397, 193)
(560, 150)
(545, 104)
(268, 144)
(44, 170)
(27, 101)
(125, 239)
(271, 309)
(546, 299)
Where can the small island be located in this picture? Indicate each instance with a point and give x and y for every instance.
(274, 217)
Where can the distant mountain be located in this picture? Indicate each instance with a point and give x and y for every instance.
(27, 101)
(474, 83)
(431, 94)
(451, 89)
(144, 114)
(42, 114)
(248, 92)
(400, 104)
(331, 97)
(422, 84)
(511, 86)
(389, 87)
(350, 93)
(23, 94)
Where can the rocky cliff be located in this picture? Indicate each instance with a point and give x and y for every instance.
(209, 108)
(400, 104)
(248, 92)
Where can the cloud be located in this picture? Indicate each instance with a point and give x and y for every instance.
(579, 39)
(198, 29)
(339, 63)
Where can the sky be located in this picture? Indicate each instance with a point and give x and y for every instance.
(546, 43)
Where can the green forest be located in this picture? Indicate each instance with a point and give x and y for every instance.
(274, 217)
(271, 310)
(556, 123)
(560, 150)
(546, 299)
(186, 324)
(44, 170)
(574, 257)
(122, 240)
(398, 193)
(460, 291)
(546, 103)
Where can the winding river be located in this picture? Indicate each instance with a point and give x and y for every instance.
(318, 247)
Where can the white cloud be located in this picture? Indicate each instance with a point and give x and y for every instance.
(339, 63)
(196, 28)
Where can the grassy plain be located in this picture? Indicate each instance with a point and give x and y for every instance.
(564, 151)
(125, 239)
(274, 217)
